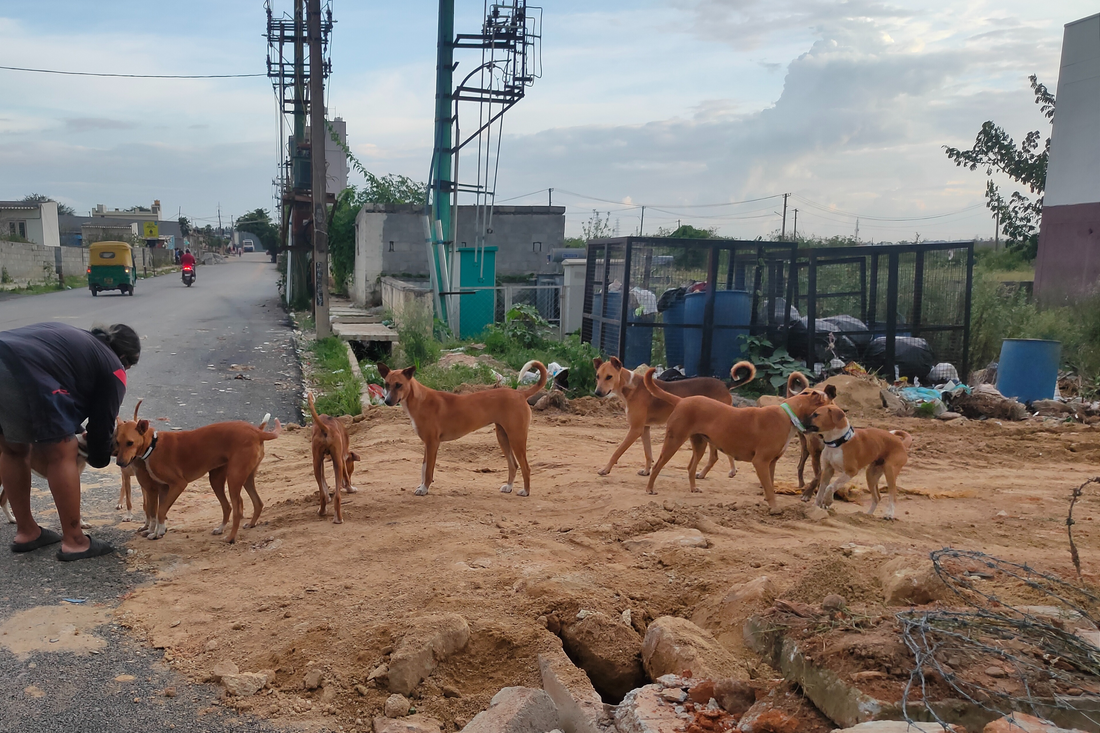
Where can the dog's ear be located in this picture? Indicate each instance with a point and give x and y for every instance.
(597, 362)
(354, 456)
(615, 362)
(409, 371)
(382, 369)
(830, 390)
(143, 426)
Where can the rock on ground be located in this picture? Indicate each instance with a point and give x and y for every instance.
(911, 581)
(245, 684)
(397, 706)
(609, 651)
(312, 680)
(679, 537)
(223, 668)
(674, 645)
(579, 705)
(412, 724)
(516, 710)
(1024, 723)
(645, 711)
(899, 726)
(725, 615)
(431, 640)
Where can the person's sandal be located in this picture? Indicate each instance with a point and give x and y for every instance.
(47, 537)
(96, 548)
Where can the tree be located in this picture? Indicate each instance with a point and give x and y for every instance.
(185, 226)
(597, 228)
(37, 198)
(258, 221)
(996, 151)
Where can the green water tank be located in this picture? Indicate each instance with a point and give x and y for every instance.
(478, 272)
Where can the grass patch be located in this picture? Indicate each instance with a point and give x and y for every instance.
(448, 379)
(333, 378)
(72, 282)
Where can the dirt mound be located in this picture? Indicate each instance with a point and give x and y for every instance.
(845, 577)
(610, 405)
(858, 396)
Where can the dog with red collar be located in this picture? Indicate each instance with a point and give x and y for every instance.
(848, 451)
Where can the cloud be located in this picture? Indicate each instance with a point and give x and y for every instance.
(92, 124)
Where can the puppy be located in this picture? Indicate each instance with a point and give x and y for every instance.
(330, 440)
(38, 466)
(440, 416)
(848, 451)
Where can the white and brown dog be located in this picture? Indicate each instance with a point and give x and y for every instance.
(848, 451)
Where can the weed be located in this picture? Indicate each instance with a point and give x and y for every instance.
(416, 338)
(333, 377)
(773, 365)
(448, 379)
(4, 276)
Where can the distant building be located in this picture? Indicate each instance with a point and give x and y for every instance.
(389, 240)
(34, 221)
(111, 231)
(1068, 263)
(150, 214)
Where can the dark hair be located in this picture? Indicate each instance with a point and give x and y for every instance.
(123, 340)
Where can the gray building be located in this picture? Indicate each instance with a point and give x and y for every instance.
(389, 241)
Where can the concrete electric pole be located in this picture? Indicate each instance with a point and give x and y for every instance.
(317, 158)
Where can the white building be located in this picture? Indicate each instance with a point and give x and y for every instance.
(33, 221)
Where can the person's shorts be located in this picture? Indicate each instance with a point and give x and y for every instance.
(15, 414)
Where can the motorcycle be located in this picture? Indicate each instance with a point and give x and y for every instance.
(188, 275)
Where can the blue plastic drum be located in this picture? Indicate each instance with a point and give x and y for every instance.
(731, 308)
(1028, 369)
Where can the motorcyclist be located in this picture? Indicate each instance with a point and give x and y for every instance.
(188, 259)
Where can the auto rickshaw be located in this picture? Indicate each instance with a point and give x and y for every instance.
(111, 267)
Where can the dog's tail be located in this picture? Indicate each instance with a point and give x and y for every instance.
(657, 390)
(906, 438)
(742, 373)
(316, 418)
(796, 383)
(543, 376)
(136, 408)
(264, 435)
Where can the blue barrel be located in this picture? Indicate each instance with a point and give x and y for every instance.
(731, 308)
(639, 341)
(674, 337)
(1028, 369)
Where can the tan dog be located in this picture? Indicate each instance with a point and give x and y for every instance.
(644, 410)
(330, 440)
(38, 466)
(166, 463)
(848, 451)
(755, 434)
(440, 416)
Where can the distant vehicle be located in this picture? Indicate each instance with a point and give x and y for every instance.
(249, 246)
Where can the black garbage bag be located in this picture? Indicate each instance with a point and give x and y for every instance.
(913, 357)
(854, 329)
(669, 298)
(829, 344)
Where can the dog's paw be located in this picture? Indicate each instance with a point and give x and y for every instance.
(351, 490)
(337, 521)
(506, 489)
(11, 520)
(733, 472)
(522, 492)
(421, 490)
(643, 472)
(127, 517)
(774, 510)
(218, 530)
(119, 507)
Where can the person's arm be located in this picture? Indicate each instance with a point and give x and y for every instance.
(101, 420)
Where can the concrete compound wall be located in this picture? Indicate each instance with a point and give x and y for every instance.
(27, 263)
(389, 241)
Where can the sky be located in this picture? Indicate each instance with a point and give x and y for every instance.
(686, 107)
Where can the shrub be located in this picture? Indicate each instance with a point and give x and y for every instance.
(416, 338)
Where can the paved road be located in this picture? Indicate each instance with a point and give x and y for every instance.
(191, 337)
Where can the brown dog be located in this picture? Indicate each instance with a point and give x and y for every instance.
(644, 410)
(330, 440)
(755, 434)
(166, 463)
(848, 451)
(38, 466)
(440, 416)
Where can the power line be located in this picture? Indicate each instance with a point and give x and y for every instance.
(830, 210)
(132, 76)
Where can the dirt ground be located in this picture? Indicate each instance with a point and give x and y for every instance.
(298, 592)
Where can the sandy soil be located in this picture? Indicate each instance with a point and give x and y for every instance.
(298, 592)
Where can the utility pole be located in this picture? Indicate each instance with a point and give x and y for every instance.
(219, 215)
(796, 226)
(996, 230)
(550, 201)
(317, 159)
(857, 230)
(641, 224)
(783, 231)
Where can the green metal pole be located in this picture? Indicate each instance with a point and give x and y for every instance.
(442, 183)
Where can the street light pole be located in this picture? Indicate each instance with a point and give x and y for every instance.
(317, 158)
